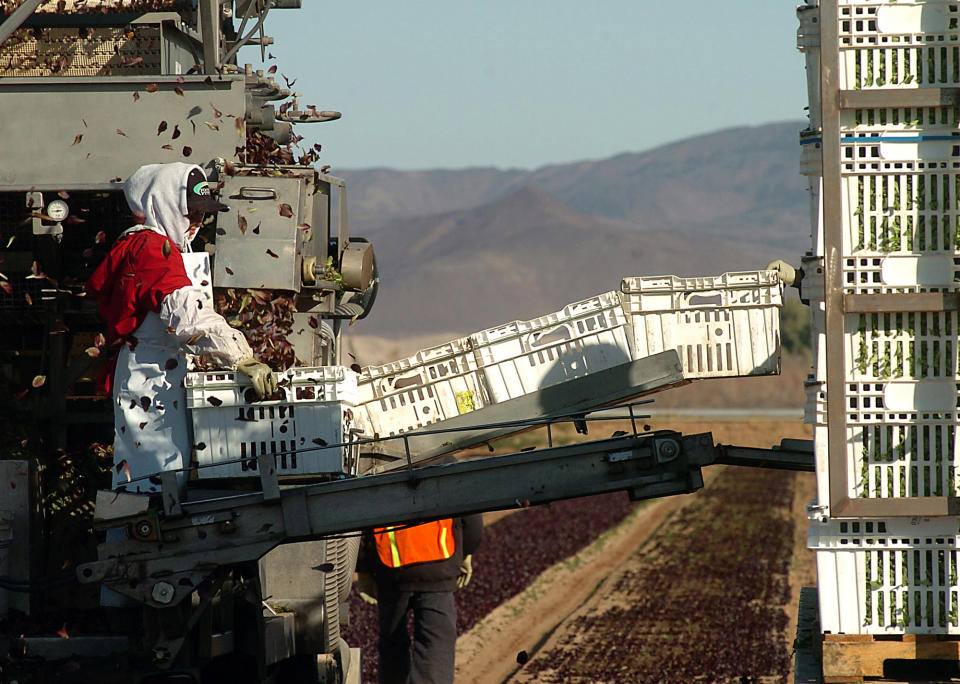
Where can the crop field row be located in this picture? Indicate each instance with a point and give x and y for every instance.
(701, 602)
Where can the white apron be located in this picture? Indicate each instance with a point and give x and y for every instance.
(152, 430)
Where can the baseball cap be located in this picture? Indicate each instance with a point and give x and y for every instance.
(199, 197)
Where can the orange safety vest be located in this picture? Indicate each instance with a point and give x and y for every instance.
(398, 545)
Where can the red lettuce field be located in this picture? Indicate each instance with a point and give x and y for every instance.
(701, 602)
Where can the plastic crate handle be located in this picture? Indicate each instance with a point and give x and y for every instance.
(554, 335)
(402, 382)
(709, 299)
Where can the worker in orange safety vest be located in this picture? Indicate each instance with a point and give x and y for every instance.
(418, 568)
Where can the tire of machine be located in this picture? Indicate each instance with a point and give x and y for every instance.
(352, 545)
(326, 331)
(334, 557)
(348, 310)
(341, 553)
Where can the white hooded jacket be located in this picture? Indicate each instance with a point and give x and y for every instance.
(149, 402)
(159, 193)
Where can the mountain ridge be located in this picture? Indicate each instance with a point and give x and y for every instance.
(468, 249)
(522, 257)
(599, 187)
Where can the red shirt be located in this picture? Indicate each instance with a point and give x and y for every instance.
(140, 270)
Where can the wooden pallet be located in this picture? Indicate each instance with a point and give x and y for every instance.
(852, 657)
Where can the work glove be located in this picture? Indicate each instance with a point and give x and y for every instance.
(367, 587)
(261, 377)
(786, 272)
(466, 571)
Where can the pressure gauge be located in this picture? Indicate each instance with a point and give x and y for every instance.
(58, 210)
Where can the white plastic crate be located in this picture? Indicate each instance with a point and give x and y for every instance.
(886, 45)
(900, 211)
(919, 345)
(890, 120)
(432, 385)
(229, 424)
(902, 438)
(722, 326)
(895, 533)
(893, 576)
(526, 356)
(884, 149)
(899, 45)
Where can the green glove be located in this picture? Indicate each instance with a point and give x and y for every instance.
(261, 377)
(466, 571)
(367, 588)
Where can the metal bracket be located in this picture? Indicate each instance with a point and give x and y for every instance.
(97, 571)
(269, 483)
(170, 491)
(920, 301)
(876, 98)
(618, 456)
(114, 506)
(664, 463)
(41, 226)
(667, 450)
(209, 15)
(296, 516)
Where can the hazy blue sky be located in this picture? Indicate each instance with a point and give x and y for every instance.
(525, 83)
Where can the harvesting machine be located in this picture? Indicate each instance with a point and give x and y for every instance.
(89, 91)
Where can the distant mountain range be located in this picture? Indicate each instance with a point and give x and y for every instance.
(462, 250)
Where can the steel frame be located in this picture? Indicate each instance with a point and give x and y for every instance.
(174, 548)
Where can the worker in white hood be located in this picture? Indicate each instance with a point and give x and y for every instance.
(158, 315)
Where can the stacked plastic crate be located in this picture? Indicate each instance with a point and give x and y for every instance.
(495, 365)
(899, 244)
(721, 326)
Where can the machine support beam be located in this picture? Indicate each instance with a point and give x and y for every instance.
(209, 11)
(908, 301)
(787, 457)
(898, 97)
(234, 529)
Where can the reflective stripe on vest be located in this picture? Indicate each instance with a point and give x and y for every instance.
(398, 546)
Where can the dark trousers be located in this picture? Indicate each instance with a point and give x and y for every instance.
(434, 637)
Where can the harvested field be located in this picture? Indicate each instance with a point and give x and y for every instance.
(701, 602)
(694, 588)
